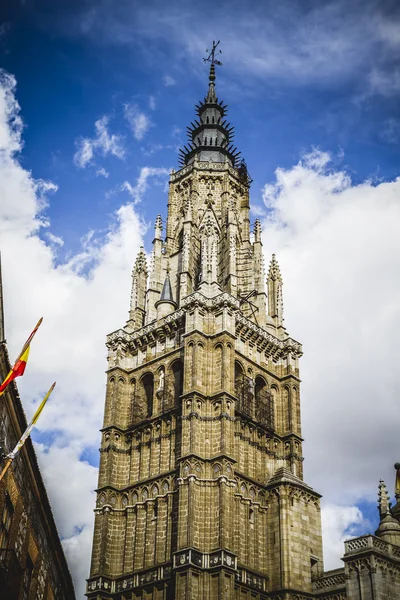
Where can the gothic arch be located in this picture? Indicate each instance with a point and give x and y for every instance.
(147, 392)
(295, 407)
(176, 370)
(218, 365)
(286, 409)
(239, 377)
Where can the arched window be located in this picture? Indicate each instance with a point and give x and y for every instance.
(213, 120)
(264, 403)
(208, 120)
(177, 371)
(148, 389)
(239, 376)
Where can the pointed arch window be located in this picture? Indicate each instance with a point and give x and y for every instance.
(243, 391)
(177, 372)
(264, 407)
(148, 389)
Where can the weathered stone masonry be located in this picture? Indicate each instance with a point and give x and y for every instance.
(201, 492)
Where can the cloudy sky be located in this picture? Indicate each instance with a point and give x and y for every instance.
(94, 101)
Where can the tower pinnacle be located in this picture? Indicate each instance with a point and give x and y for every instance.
(383, 499)
(211, 136)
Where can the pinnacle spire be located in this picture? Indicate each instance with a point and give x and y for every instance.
(274, 272)
(140, 262)
(158, 226)
(383, 499)
(166, 294)
(257, 230)
(275, 297)
(211, 136)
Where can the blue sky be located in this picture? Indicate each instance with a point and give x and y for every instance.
(93, 109)
(75, 62)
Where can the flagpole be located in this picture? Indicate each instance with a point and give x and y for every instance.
(10, 457)
(30, 338)
(6, 467)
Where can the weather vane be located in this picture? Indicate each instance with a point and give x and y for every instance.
(211, 57)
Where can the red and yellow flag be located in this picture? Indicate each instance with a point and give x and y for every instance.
(19, 366)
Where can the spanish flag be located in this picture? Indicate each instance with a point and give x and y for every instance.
(19, 366)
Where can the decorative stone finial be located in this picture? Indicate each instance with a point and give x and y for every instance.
(141, 262)
(257, 230)
(383, 499)
(158, 226)
(274, 272)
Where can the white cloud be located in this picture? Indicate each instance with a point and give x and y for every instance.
(339, 523)
(139, 122)
(138, 190)
(339, 250)
(103, 144)
(102, 172)
(81, 300)
(329, 42)
(55, 240)
(168, 81)
(385, 82)
(152, 102)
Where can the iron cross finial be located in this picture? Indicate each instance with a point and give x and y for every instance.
(211, 57)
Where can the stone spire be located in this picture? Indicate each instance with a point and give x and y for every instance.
(2, 328)
(138, 293)
(166, 293)
(389, 527)
(166, 305)
(275, 297)
(210, 136)
(158, 227)
(383, 499)
(257, 231)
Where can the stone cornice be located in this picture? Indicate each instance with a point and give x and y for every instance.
(266, 341)
(204, 166)
(245, 328)
(147, 333)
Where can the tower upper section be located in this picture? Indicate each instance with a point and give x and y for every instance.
(210, 135)
(207, 244)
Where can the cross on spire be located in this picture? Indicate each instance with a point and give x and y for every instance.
(211, 57)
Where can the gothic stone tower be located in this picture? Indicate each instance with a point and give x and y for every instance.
(201, 493)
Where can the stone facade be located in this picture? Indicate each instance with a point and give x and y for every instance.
(201, 493)
(32, 562)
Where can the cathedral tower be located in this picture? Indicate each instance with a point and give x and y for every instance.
(201, 493)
